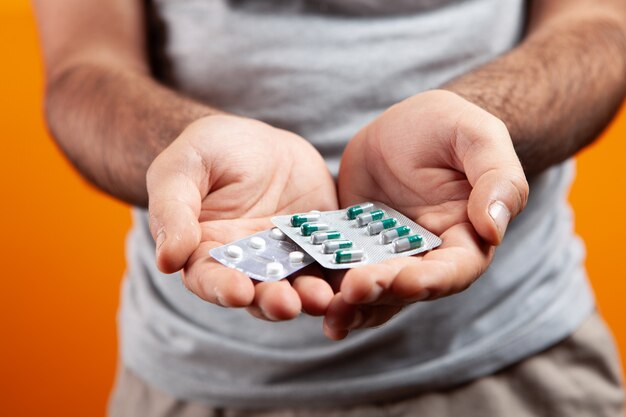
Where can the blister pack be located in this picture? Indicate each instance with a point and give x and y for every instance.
(367, 233)
(265, 256)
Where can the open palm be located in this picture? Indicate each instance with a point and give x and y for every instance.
(221, 180)
(451, 167)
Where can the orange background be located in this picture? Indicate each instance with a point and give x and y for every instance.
(62, 247)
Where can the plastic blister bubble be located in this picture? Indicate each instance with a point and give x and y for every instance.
(265, 256)
(375, 250)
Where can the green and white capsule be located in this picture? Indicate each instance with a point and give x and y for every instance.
(349, 255)
(375, 228)
(308, 228)
(298, 220)
(388, 235)
(404, 244)
(319, 237)
(330, 246)
(365, 218)
(354, 211)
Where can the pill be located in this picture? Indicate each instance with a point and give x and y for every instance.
(365, 218)
(277, 234)
(234, 251)
(374, 228)
(298, 220)
(354, 211)
(330, 246)
(296, 257)
(274, 269)
(388, 235)
(308, 228)
(404, 244)
(348, 255)
(257, 243)
(319, 237)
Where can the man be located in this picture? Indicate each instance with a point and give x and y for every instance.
(211, 99)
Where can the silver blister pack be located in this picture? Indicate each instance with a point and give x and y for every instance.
(265, 256)
(370, 246)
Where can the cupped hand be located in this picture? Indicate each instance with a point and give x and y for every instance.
(450, 166)
(222, 179)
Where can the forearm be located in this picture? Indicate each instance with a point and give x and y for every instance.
(558, 89)
(111, 123)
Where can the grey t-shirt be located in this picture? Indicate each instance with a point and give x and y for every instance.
(323, 69)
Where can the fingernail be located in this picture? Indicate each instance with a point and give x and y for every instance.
(501, 216)
(373, 295)
(422, 295)
(419, 296)
(357, 320)
(219, 297)
(267, 315)
(160, 239)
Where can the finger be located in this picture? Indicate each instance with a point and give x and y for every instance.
(449, 269)
(374, 316)
(177, 181)
(499, 186)
(334, 277)
(216, 283)
(277, 300)
(443, 216)
(256, 312)
(315, 294)
(367, 284)
(334, 334)
(339, 317)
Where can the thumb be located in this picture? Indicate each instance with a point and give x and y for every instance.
(497, 197)
(175, 197)
(499, 186)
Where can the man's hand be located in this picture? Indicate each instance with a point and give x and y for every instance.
(451, 167)
(220, 180)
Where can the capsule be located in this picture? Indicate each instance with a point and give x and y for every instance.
(298, 220)
(349, 255)
(330, 246)
(365, 218)
(308, 228)
(404, 244)
(354, 211)
(374, 228)
(388, 235)
(319, 237)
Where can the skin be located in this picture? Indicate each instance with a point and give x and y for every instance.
(554, 93)
(220, 180)
(444, 171)
(112, 120)
(141, 141)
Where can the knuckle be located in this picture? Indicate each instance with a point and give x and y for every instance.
(494, 128)
(187, 279)
(498, 125)
(154, 222)
(191, 281)
(522, 190)
(151, 175)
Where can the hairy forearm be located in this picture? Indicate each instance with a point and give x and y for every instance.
(112, 123)
(557, 90)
